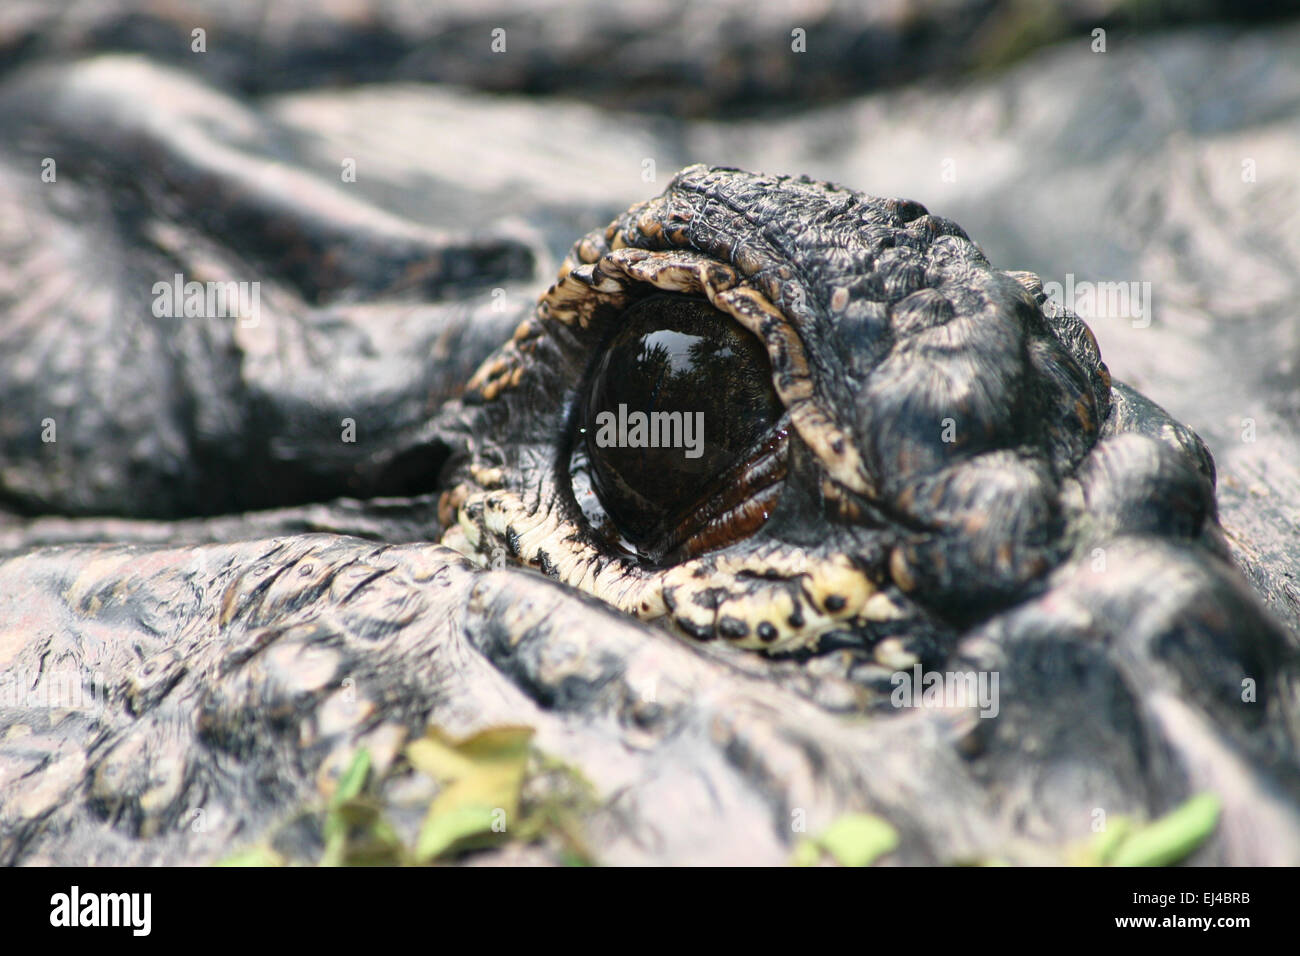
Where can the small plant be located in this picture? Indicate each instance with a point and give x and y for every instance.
(495, 788)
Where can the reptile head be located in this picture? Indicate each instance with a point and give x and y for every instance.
(890, 425)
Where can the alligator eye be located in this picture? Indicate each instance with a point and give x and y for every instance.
(684, 435)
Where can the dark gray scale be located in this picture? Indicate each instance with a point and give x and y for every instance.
(243, 598)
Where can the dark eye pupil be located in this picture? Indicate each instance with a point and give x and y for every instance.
(681, 394)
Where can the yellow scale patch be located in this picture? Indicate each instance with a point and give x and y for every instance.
(773, 586)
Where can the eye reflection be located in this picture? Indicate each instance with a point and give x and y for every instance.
(679, 414)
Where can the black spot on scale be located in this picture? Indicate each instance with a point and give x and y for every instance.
(733, 628)
(766, 632)
(795, 619)
(512, 542)
(545, 564)
(697, 631)
(835, 602)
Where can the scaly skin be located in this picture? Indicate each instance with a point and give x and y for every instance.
(953, 441)
(1065, 539)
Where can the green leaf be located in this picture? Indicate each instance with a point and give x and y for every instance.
(857, 839)
(444, 829)
(444, 759)
(482, 777)
(1173, 836)
(498, 743)
(437, 760)
(253, 856)
(570, 858)
(336, 845)
(1105, 844)
(353, 779)
(806, 853)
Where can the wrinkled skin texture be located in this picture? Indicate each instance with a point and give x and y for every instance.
(935, 410)
(239, 673)
(668, 56)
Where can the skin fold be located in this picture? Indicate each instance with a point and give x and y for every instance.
(246, 598)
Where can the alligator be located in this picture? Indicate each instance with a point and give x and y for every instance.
(361, 523)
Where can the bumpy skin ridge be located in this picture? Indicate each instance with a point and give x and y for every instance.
(1067, 543)
(944, 410)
